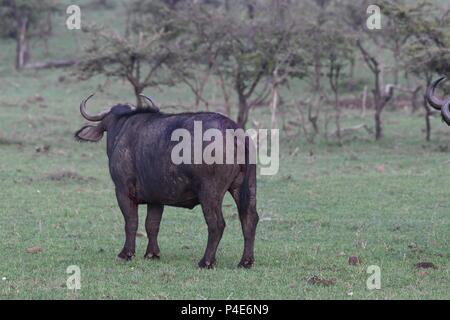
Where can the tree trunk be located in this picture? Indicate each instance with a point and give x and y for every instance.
(397, 64)
(428, 111)
(196, 103)
(317, 74)
(274, 106)
(226, 97)
(337, 116)
(378, 125)
(381, 94)
(414, 99)
(427, 119)
(351, 81)
(22, 54)
(137, 91)
(377, 96)
(364, 102)
(317, 89)
(313, 118)
(243, 111)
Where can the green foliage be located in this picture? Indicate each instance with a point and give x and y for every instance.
(115, 55)
(12, 10)
(428, 32)
(141, 55)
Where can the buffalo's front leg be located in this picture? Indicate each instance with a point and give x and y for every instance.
(216, 224)
(129, 210)
(154, 214)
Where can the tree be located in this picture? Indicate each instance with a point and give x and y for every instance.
(18, 17)
(365, 39)
(339, 54)
(196, 63)
(314, 38)
(381, 94)
(330, 48)
(245, 57)
(140, 57)
(426, 54)
(242, 50)
(391, 36)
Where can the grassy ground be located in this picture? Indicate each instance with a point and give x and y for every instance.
(385, 202)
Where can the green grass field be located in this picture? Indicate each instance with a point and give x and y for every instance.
(386, 202)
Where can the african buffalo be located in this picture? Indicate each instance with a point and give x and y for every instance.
(437, 103)
(139, 148)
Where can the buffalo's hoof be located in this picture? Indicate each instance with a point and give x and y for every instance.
(125, 256)
(205, 264)
(152, 256)
(246, 263)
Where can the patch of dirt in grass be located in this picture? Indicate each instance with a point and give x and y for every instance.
(34, 249)
(42, 149)
(46, 149)
(62, 175)
(316, 280)
(354, 260)
(425, 265)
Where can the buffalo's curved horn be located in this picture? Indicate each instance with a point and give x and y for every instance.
(445, 112)
(151, 101)
(434, 101)
(90, 117)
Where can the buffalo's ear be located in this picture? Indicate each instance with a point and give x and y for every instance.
(90, 133)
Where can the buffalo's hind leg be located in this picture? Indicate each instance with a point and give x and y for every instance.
(154, 214)
(249, 220)
(212, 211)
(129, 210)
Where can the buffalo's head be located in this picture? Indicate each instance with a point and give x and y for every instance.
(104, 120)
(437, 103)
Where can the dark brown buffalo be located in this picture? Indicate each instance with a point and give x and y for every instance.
(139, 150)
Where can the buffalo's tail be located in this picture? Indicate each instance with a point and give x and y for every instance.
(247, 190)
